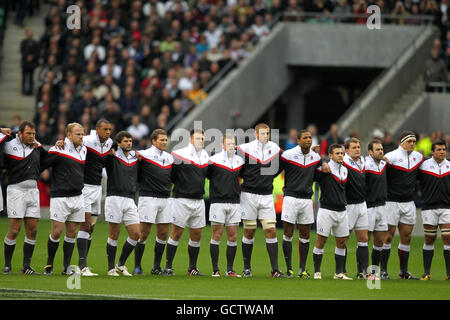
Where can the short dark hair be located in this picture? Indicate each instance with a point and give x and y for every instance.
(121, 135)
(301, 132)
(25, 124)
(156, 133)
(374, 141)
(196, 131)
(350, 141)
(101, 121)
(438, 142)
(334, 146)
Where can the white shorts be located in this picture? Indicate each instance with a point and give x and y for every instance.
(22, 202)
(188, 213)
(121, 209)
(257, 206)
(377, 218)
(155, 210)
(228, 214)
(434, 217)
(357, 216)
(297, 211)
(332, 221)
(67, 209)
(1, 198)
(92, 199)
(400, 212)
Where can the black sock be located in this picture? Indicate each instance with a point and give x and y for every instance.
(376, 257)
(447, 260)
(247, 249)
(28, 248)
(127, 248)
(88, 246)
(385, 253)
(214, 251)
(68, 247)
(317, 258)
(138, 253)
(303, 248)
(231, 254)
(82, 245)
(427, 259)
(287, 251)
(193, 254)
(159, 250)
(272, 250)
(170, 254)
(9, 250)
(362, 253)
(340, 260)
(52, 247)
(403, 256)
(111, 254)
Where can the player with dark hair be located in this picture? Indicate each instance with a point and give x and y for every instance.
(332, 215)
(434, 176)
(122, 169)
(376, 194)
(262, 165)
(403, 166)
(356, 204)
(188, 175)
(300, 164)
(98, 144)
(66, 198)
(23, 164)
(154, 204)
(223, 173)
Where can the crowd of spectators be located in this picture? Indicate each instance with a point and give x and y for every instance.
(140, 63)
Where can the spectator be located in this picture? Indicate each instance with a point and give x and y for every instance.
(435, 70)
(137, 129)
(313, 130)
(388, 143)
(291, 141)
(95, 49)
(197, 95)
(332, 138)
(260, 30)
(128, 104)
(29, 49)
(108, 85)
(341, 10)
(213, 34)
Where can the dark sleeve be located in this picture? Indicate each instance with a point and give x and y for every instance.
(318, 173)
(209, 173)
(280, 164)
(48, 159)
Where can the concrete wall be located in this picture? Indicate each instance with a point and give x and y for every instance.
(431, 115)
(347, 45)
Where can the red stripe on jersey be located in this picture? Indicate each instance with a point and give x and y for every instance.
(256, 159)
(404, 169)
(190, 161)
(67, 156)
(337, 179)
(354, 169)
(299, 164)
(377, 172)
(14, 157)
(3, 139)
(225, 167)
(437, 175)
(126, 163)
(157, 164)
(98, 153)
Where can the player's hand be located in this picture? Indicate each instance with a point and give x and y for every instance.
(386, 159)
(35, 144)
(112, 151)
(316, 149)
(60, 144)
(138, 155)
(325, 168)
(6, 131)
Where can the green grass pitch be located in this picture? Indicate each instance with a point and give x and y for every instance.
(181, 287)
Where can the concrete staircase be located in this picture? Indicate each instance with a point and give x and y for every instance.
(12, 101)
(401, 109)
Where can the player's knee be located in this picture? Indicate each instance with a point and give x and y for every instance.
(32, 234)
(445, 234)
(268, 223)
(13, 233)
(134, 235)
(250, 224)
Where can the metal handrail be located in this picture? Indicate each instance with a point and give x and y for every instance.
(445, 86)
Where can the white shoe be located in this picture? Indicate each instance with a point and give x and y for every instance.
(123, 270)
(113, 272)
(341, 276)
(86, 272)
(318, 276)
